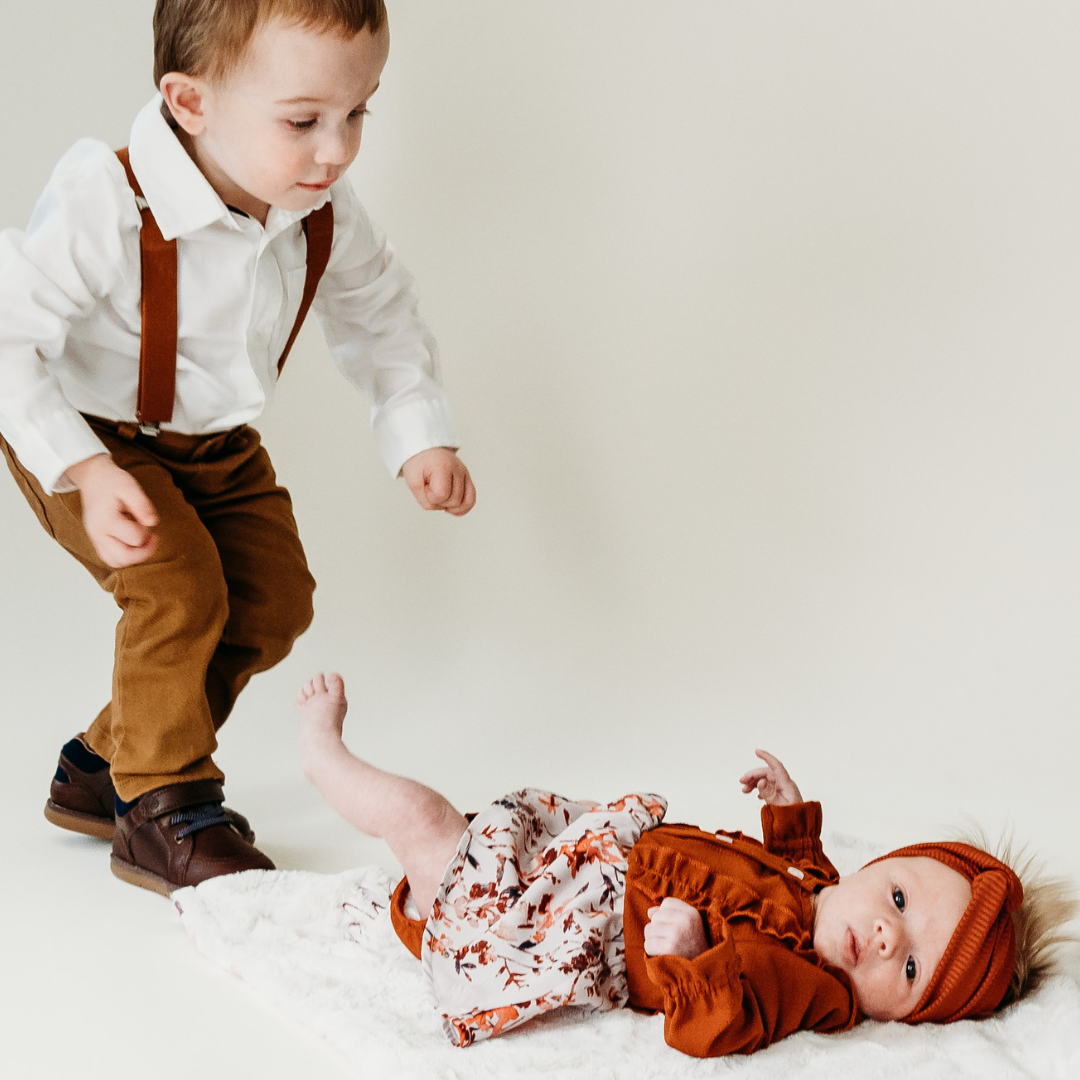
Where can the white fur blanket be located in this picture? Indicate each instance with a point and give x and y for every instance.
(322, 950)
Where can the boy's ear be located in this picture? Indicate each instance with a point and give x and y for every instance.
(184, 95)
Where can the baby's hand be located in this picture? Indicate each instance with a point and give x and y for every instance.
(439, 481)
(675, 929)
(772, 783)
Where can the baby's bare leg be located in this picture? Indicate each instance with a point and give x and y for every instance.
(420, 826)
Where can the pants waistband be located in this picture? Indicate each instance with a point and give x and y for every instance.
(168, 441)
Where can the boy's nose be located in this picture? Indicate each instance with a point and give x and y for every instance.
(335, 148)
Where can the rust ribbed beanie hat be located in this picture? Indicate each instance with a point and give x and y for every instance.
(974, 971)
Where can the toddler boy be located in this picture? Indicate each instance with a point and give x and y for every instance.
(145, 315)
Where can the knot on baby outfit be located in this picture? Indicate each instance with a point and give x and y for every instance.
(974, 971)
(198, 818)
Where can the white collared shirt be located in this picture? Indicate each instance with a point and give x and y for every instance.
(70, 308)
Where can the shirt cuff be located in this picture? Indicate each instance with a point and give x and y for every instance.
(411, 428)
(69, 440)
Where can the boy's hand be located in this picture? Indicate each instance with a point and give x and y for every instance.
(772, 783)
(117, 515)
(675, 929)
(439, 481)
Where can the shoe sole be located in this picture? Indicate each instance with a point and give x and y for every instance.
(77, 821)
(92, 825)
(145, 879)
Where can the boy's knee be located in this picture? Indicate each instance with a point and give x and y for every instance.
(301, 608)
(286, 613)
(184, 594)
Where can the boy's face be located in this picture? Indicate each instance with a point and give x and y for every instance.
(887, 926)
(287, 122)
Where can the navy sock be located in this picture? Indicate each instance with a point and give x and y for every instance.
(82, 757)
(123, 807)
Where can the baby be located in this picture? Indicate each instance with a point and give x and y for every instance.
(540, 902)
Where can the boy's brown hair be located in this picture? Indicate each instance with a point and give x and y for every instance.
(208, 38)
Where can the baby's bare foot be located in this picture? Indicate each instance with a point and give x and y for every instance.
(321, 706)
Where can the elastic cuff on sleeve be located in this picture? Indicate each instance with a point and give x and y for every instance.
(706, 974)
(791, 826)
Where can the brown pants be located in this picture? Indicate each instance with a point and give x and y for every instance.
(224, 596)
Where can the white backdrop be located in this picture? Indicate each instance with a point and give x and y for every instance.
(760, 326)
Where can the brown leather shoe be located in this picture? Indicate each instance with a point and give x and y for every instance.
(82, 797)
(181, 835)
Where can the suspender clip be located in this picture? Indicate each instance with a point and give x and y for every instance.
(149, 429)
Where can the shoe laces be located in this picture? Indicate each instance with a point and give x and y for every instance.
(198, 818)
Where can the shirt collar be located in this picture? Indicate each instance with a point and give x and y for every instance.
(180, 197)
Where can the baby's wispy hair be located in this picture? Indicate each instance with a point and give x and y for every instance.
(1042, 922)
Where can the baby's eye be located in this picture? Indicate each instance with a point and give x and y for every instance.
(357, 113)
(909, 970)
(301, 125)
(898, 899)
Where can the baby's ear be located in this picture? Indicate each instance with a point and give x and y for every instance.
(183, 95)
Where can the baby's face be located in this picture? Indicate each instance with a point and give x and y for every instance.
(287, 123)
(887, 926)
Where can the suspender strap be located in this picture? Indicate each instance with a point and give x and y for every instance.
(319, 233)
(157, 349)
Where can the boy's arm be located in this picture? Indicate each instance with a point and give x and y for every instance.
(81, 239)
(367, 304)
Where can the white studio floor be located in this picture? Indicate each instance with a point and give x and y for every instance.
(88, 957)
(100, 978)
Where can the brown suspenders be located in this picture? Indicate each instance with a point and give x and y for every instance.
(157, 350)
